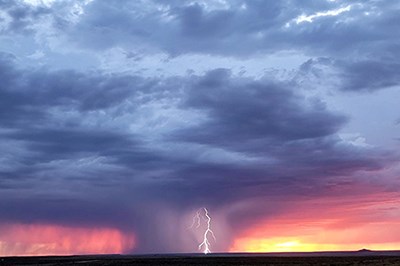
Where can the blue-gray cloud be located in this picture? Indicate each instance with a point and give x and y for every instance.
(283, 141)
(356, 76)
(238, 28)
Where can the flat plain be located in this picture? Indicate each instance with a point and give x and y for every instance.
(293, 259)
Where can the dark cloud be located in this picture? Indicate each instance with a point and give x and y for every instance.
(274, 143)
(241, 110)
(370, 75)
(237, 28)
(68, 142)
(240, 28)
(21, 17)
(355, 38)
(356, 76)
(23, 94)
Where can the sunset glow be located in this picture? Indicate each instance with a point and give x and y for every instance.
(278, 245)
(58, 240)
(333, 229)
(297, 245)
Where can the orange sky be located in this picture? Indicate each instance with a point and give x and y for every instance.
(321, 225)
(312, 236)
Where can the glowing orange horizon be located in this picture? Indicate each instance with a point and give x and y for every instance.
(294, 244)
(312, 236)
(345, 224)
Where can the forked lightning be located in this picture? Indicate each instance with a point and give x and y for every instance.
(206, 217)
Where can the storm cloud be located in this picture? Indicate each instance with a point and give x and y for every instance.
(108, 146)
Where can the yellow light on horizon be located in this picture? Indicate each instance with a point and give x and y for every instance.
(279, 245)
(288, 244)
(297, 245)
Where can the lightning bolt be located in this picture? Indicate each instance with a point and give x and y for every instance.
(207, 218)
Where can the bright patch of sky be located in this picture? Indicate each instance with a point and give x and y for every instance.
(311, 18)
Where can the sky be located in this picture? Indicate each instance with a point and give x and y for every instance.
(120, 119)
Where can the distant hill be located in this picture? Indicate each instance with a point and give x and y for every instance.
(365, 250)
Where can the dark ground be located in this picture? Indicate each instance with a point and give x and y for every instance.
(337, 259)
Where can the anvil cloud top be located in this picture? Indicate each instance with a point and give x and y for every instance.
(120, 119)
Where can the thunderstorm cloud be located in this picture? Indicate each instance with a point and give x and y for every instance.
(131, 114)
